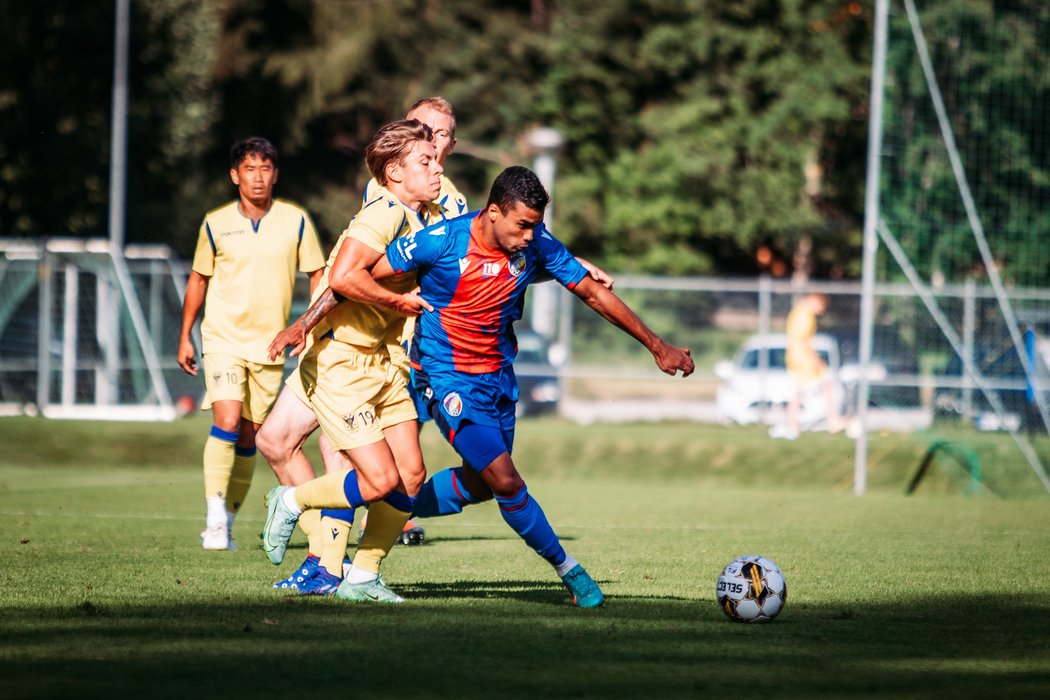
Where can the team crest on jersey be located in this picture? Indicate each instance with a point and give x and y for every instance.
(453, 404)
(516, 264)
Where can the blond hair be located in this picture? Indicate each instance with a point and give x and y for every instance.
(438, 104)
(392, 144)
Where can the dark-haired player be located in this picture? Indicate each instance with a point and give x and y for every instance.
(243, 270)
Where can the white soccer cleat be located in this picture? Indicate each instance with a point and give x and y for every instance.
(216, 537)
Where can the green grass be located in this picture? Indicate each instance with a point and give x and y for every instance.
(105, 591)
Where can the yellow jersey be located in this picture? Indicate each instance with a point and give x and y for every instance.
(382, 219)
(251, 269)
(451, 199)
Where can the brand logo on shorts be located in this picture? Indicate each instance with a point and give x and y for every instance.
(357, 421)
(516, 265)
(453, 404)
(335, 532)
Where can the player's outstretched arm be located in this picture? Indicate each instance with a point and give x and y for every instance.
(669, 358)
(294, 336)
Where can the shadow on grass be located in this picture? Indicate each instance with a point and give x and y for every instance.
(474, 639)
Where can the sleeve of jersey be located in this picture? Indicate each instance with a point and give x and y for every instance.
(204, 256)
(558, 261)
(416, 250)
(376, 225)
(310, 256)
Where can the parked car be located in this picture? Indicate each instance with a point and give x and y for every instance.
(539, 386)
(1001, 370)
(747, 391)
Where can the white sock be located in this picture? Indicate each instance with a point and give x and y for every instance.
(566, 566)
(357, 575)
(289, 501)
(216, 516)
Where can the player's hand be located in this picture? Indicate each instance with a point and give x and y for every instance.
(294, 337)
(597, 274)
(411, 304)
(671, 359)
(187, 357)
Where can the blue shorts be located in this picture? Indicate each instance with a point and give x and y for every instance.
(456, 400)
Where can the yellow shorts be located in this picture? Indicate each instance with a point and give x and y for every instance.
(805, 367)
(228, 378)
(355, 393)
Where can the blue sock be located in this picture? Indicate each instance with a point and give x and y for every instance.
(345, 515)
(402, 502)
(352, 491)
(443, 494)
(526, 518)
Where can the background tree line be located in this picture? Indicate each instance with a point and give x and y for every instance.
(701, 137)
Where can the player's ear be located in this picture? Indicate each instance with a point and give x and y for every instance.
(494, 213)
(235, 178)
(393, 171)
(276, 172)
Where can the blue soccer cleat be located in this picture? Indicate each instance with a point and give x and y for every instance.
(280, 523)
(322, 583)
(585, 592)
(305, 571)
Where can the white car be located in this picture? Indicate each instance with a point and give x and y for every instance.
(750, 386)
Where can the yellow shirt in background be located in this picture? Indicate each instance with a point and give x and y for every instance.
(251, 271)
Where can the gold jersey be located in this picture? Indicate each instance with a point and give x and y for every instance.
(381, 220)
(251, 269)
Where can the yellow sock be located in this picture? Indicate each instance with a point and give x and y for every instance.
(240, 478)
(384, 525)
(333, 550)
(218, 465)
(323, 492)
(310, 524)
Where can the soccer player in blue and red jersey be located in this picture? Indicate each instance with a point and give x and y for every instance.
(473, 273)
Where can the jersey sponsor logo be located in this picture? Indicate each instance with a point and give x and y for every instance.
(453, 404)
(463, 263)
(489, 269)
(406, 244)
(226, 234)
(516, 265)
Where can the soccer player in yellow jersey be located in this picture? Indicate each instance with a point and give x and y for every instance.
(436, 112)
(346, 382)
(806, 367)
(243, 274)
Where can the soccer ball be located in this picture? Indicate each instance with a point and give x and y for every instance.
(751, 589)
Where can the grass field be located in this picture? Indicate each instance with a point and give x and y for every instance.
(105, 592)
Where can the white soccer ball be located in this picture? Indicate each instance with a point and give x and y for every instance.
(751, 589)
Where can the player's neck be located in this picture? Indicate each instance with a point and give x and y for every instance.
(481, 230)
(254, 210)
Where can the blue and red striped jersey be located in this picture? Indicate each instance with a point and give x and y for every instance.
(477, 292)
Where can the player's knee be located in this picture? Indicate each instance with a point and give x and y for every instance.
(505, 485)
(382, 483)
(229, 424)
(270, 447)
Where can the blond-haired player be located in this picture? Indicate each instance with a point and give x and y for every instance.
(346, 381)
(243, 275)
